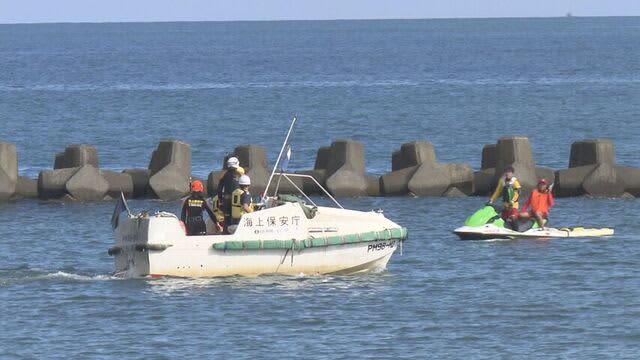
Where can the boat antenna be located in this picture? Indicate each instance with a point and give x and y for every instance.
(275, 167)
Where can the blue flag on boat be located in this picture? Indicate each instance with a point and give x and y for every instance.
(285, 161)
(121, 206)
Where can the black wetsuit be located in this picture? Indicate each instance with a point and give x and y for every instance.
(226, 186)
(192, 211)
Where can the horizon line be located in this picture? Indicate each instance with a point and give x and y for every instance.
(567, 15)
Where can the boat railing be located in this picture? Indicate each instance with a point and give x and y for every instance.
(287, 176)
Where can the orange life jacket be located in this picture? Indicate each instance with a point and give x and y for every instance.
(540, 201)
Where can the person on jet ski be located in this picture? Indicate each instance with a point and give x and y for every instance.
(540, 201)
(508, 190)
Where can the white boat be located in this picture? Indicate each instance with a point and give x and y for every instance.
(287, 236)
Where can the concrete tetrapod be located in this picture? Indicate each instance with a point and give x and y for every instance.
(593, 171)
(8, 170)
(212, 182)
(430, 180)
(489, 156)
(373, 185)
(568, 182)
(592, 152)
(413, 154)
(285, 187)
(87, 184)
(345, 171)
(415, 170)
(483, 181)
(140, 181)
(603, 181)
(397, 182)
(170, 183)
(319, 171)
(170, 170)
(631, 179)
(27, 188)
(454, 192)
(404, 164)
(118, 182)
(76, 156)
(461, 178)
(52, 183)
(323, 157)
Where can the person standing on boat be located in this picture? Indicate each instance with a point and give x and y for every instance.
(215, 205)
(541, 201)
(509, 190)
(193, 209)
(241, 202)
(226, 186)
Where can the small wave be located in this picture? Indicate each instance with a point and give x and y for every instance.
(22, 274)
(538, 81)
(257, 284)
(78, 277)
(204, 86)
(494, 240)
(317, 84)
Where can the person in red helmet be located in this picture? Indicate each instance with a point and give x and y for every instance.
(540, 201)
(193, 208)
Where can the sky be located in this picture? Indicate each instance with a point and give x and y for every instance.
(39, 11)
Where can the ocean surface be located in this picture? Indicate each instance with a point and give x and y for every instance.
(457, 83)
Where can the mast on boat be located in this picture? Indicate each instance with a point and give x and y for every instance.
(287, 176)
(275, 167)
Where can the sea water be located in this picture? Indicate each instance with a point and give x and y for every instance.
(457, 83)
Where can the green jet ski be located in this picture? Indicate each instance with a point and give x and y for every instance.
(486, 223)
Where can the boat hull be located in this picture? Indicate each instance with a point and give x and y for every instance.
(190, 262)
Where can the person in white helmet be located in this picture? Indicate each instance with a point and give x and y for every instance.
(226, 186)
(241, 202)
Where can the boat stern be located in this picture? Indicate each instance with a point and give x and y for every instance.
(137, 237)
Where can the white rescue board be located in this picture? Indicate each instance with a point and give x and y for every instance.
(491, 231)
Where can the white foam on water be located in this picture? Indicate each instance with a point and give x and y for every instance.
(205, 85)
(538, 81)
(78, 277)
(321, 84)
(26, 274)
(494, 240)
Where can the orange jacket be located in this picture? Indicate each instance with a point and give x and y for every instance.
(539, 201)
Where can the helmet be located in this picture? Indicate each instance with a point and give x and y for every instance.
(196, 186)
(240, 170)
(233, 162)
(244, 180)
(543, 181)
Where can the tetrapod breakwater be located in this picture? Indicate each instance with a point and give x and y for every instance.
(339, 167)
